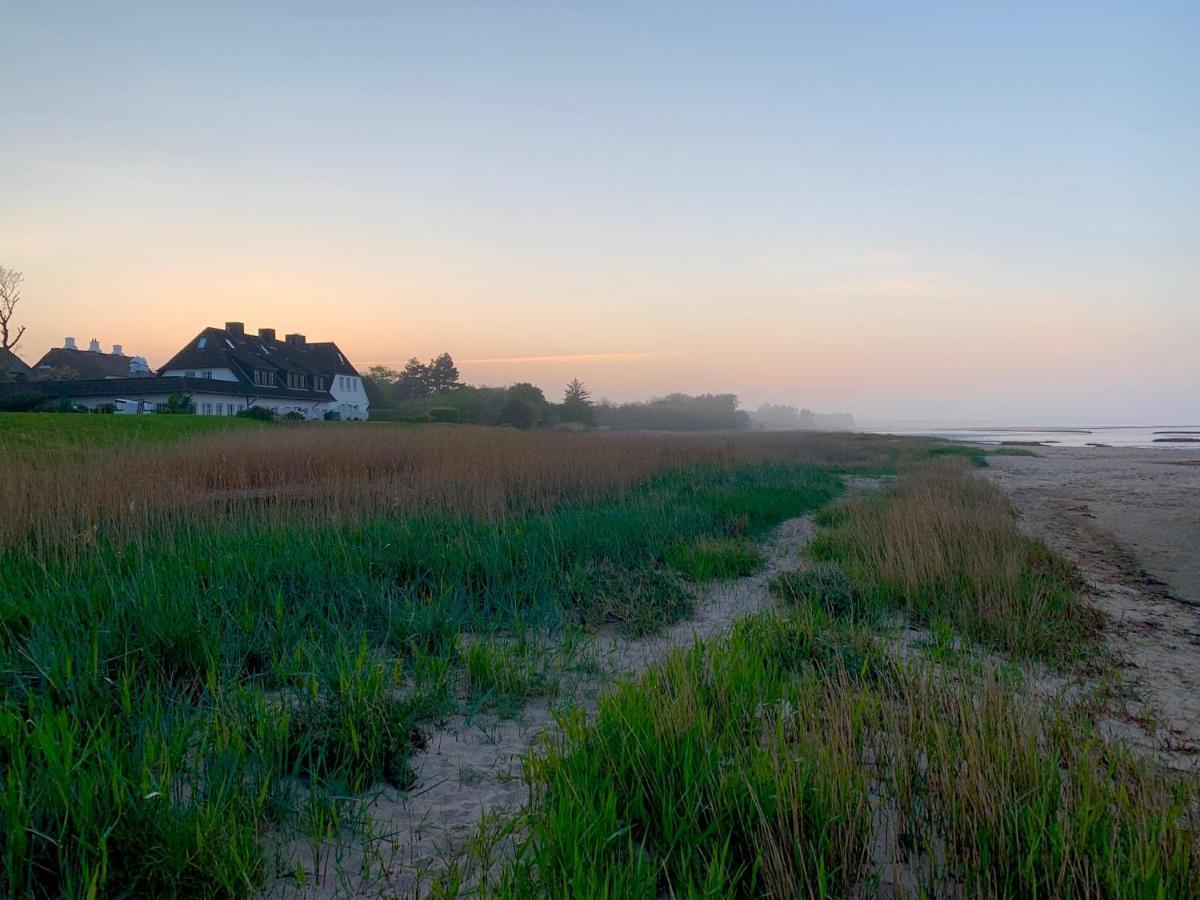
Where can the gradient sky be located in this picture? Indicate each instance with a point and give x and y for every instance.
(958, 212)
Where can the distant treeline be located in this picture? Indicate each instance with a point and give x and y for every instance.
(434, 392)
(776, 417)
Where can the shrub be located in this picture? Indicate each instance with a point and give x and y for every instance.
(180, 404)
(444, 414)
(258, 413)
(332, 415)
(293, 416)
(22, 402)
(106, 409)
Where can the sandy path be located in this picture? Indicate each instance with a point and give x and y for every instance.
(471, 767)
(1130, 519)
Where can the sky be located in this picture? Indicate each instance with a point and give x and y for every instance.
(914, 212)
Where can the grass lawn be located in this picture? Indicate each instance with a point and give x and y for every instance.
(56, 430)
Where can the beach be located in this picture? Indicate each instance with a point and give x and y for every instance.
(1130, 519)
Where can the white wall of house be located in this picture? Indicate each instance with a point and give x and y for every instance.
(215, 374)
(217, 404)
(133, 403)
(310, 409)
(349, 397)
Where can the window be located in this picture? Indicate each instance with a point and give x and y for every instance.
(229, 410)
(263, 376)
(189, 374)
(206, 374)
(230, 343)
(200, 343)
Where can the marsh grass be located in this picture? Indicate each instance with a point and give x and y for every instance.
(57, 502)
(802, 757)
(721, 772)
(824, 585)
(940, 544)
(797, 758)
(503, 674)
(715, 558)
(1029, 800)
(173, 694)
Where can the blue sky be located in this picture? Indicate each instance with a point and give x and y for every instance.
(912, 211)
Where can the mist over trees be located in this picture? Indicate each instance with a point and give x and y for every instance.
(779, 417)
(675, 412)
(434, 392)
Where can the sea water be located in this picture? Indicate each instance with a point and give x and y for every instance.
(1164, 437)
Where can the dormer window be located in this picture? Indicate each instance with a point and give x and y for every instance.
(264, 377)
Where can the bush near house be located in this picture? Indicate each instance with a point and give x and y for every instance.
(257, 413)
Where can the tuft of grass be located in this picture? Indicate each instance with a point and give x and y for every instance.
(824, 585)
(503, 674)
(942, 544)
(1016, 799)
(715, 558)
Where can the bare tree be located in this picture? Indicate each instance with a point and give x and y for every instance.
(10, 296)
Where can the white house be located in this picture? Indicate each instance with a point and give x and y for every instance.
(291, 375)
(225, 370)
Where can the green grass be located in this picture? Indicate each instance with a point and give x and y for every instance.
(168, 702)
(717, 558)
(766, 763)
(940, 544)
(733, 769)
(824, 585)
(56, 430)
(781, 760)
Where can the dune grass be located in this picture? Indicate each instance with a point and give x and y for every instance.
(797, 758)
(941, 544)
(802, 757)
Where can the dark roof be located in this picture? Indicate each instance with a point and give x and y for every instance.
(13, 364)
(134, 387)
(86, 363)
(243, 352)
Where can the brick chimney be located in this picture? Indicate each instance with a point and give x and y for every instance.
(296, 340)
(266, 334)
(118, 350)
(69, 344)
(237, 329)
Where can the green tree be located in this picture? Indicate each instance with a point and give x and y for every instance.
(441, 375)
(525, 406)
(180, 404)
(577, 404)
(413, 383)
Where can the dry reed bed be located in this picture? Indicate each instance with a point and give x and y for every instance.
(311, 474)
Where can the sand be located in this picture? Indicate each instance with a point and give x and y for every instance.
(1130, 519)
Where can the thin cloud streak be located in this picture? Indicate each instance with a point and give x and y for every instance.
(576, 357)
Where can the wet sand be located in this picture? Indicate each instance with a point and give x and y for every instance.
(1130, 519)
